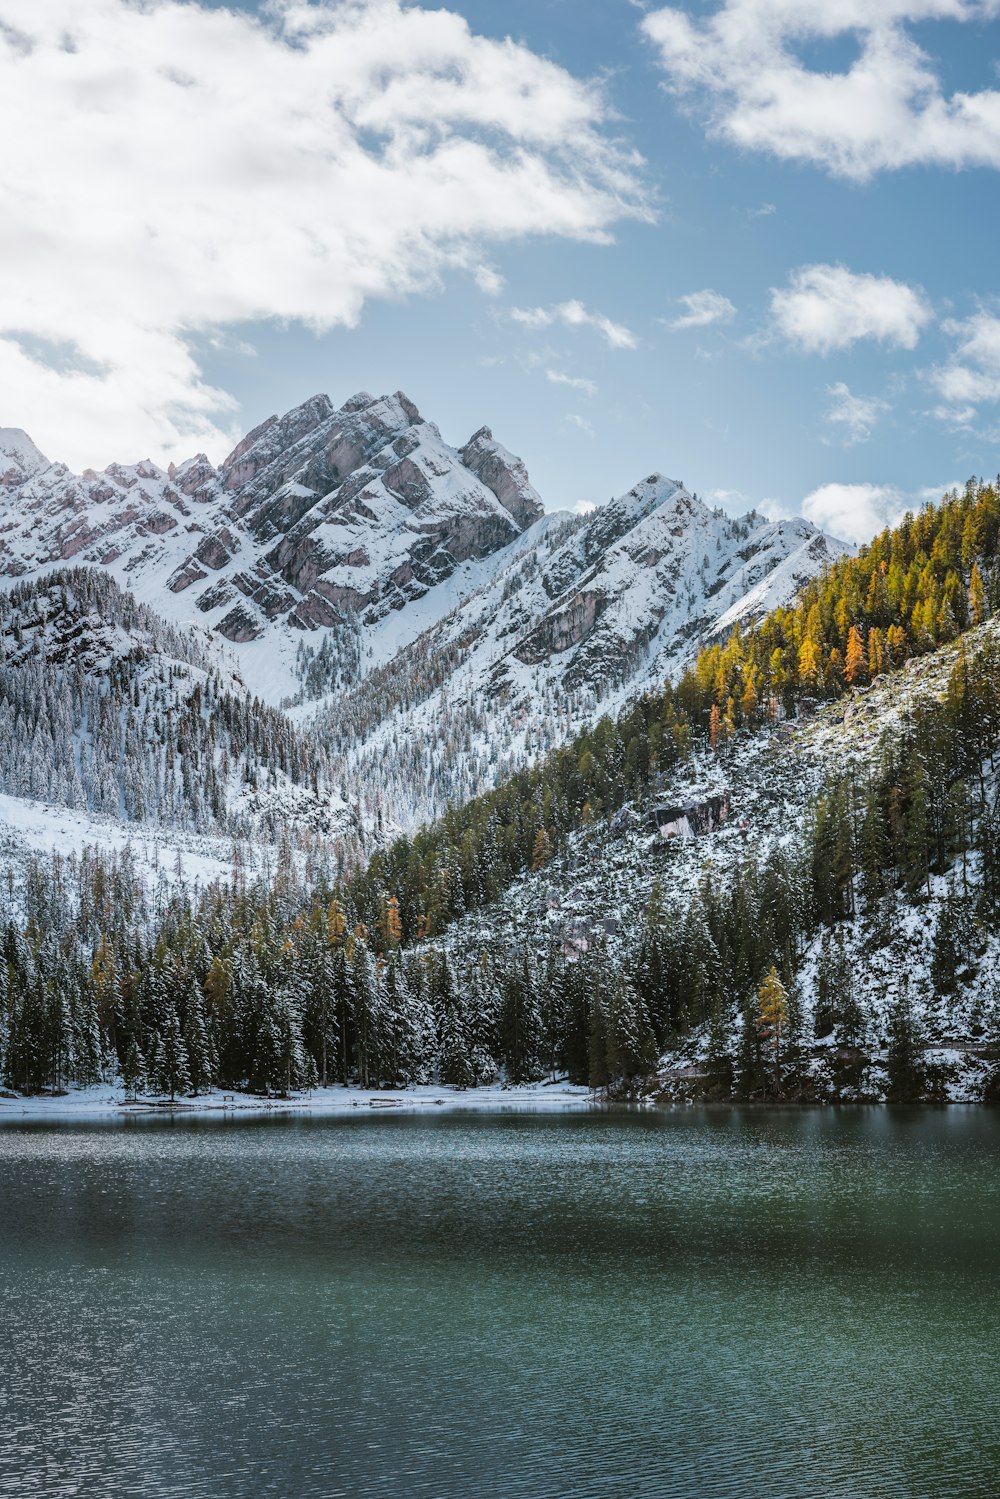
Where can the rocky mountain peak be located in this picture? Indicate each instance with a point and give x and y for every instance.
(19, 457)
(503, 474)
(317, 518)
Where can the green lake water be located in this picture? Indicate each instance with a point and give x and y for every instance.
(749, 1305)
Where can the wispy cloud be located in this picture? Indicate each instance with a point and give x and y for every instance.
(704, 308)
(572, 382)
(854, 417)
(971, 377)
(574, 314)
(857, 512)
(489, 280)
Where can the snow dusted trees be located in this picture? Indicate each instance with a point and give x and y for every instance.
(106, 709)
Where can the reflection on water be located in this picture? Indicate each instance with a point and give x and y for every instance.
(762, 1306)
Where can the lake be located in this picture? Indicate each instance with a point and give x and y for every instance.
(754, 1305)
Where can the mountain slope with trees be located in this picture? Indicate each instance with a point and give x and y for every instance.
(836, 938)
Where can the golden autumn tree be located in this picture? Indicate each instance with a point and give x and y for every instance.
(978, 608)
(541, 851)
(876, 653)
(809, 665)
(390, 923)
(895, 639)
(772, 1016)
(749, 701)
(336, 923)
(855, 662)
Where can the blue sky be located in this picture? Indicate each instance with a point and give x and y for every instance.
(824, 191)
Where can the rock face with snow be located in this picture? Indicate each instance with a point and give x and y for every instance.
(581, 614)
(315, 515)
(633, 591)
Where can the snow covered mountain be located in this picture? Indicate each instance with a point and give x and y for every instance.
(407, 601)
(317, 518)
(118, 730)
(584, 613)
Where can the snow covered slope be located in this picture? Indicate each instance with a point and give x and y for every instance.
(117, 728)
(596, 895)
(584, 613)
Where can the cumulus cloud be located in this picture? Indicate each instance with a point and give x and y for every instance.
(886, 109)
(853, 416)
(582, 425)
(703, 308)
(176, 169)
(572, 382)
(854, 512)
(857, 512)
(971, 378)
(573, 314)
(828, 307)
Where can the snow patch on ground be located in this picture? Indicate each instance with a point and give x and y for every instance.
(103, 1100)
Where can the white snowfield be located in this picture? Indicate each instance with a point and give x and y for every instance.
(156, 852)
(105, 1101)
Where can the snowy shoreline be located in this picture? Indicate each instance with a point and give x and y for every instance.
(107, 1102)
(104, 1101)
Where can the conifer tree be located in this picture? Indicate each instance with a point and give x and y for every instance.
(855, 663)
(772, 1019)
(904, 1054)
(172, 1062)
(629, 1045)
(133, 1070)
(456, 1067)
(718, 1057)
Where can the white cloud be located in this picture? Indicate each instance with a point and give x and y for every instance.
(174, 169)
(573, 314)
(828, 307)
(489, 280)
(886, 109)
(971, 378)
(854, 512)
(572, 382)
(703, 309)
(582, 424)
(734, 501)
(854, 416)
(858, 512)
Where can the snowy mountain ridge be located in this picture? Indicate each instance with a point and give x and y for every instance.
(588, 612)
(316, 517)
(408, 601)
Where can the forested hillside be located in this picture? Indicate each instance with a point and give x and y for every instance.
(105, 708)
(837, 938)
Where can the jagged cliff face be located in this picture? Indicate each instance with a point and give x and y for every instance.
(316, 516)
